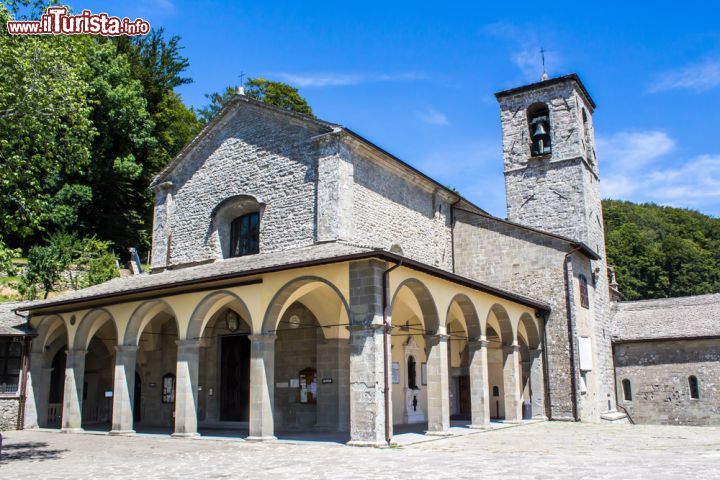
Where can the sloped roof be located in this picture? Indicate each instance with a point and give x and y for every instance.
(10, 323)
(206, 276)
(667, 318)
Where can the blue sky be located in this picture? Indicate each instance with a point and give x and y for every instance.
(418, 78)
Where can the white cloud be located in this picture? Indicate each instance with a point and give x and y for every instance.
(526, 45)
(433, 117)
(637, 166)
(698, 77)
(345, 79)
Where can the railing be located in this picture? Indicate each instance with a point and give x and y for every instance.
(54, 414)
(8, 388)
(99, 412)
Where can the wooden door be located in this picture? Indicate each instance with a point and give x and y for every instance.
(235, 378)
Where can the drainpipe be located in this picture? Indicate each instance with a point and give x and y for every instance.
(386, 359)
(571, 332)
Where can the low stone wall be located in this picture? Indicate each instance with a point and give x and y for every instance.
(9, 407)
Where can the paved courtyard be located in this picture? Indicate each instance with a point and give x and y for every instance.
(541, 450)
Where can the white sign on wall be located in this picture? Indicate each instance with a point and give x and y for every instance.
(585, 350)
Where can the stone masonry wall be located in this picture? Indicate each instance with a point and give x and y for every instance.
(253, 151)
(389, 209)
(658, 373)
(9, 407)
(522, 261)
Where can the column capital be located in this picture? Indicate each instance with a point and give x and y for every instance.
(511, 348)
(126, 348)
(437, 337)
(75, 353)
(263, 337)
(478, 342)
(188, 343)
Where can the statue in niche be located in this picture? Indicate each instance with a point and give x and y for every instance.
(412, 373)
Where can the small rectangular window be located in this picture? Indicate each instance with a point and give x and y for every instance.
(584, 299)
(10, 365)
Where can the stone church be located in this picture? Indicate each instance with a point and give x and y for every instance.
(304, 280)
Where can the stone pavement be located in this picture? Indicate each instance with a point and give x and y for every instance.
(548, 450)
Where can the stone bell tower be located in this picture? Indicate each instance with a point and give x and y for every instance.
(551, 174)
(552, 184)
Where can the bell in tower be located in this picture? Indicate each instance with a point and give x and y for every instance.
(538, 119)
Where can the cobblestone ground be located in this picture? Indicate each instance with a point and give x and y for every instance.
(544, 450)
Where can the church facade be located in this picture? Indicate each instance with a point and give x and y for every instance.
(305, 280)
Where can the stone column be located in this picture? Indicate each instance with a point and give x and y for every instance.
(186, 383)
(124, 390)
(38, 391)
(479, 390)
(367, 385)
(333, 407)
(73, 393)
(537, 385)
(438, 385)
(511, 383)
(262, 387)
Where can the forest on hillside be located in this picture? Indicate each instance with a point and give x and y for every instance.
(87, 122)
(661, 252)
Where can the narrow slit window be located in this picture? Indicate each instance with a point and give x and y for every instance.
(584, 299)
(627, 390)
(694, 387)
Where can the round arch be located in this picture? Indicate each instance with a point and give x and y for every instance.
(210, 305)
(528, 329)
(469, 314)
(48, 328)
(141, 316)
(502, 325)
(425, 300)
(295, 290)
(90, 324)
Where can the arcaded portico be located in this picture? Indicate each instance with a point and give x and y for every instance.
(295, 347)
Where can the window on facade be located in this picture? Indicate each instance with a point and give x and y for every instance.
(168, 388)
(627, 390)
(584, 300)
(694, 387)
(10, 358)
(245, 235)
(539, 124)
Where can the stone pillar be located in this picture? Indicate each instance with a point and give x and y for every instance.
(438, 385)
(537, 385)
(511, 383)
(333, 401)
(38, 392)
(73, 393)
(262, 387)
(124, 390)
(186, 383)
(479, 390)
(367, 385)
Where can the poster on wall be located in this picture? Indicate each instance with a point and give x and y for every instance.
(396, 373)
(423, 373)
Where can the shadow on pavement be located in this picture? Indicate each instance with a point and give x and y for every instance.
(28, 451)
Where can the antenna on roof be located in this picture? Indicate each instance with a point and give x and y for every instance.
(241, 88)
(544, 74)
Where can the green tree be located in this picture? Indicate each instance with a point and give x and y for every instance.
(46, 132)
(662, 252)
(278, 94)
(67, 259)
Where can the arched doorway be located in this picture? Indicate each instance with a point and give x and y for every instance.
(309, 318)
(413, 316)
(97, 337)
(47, 373)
